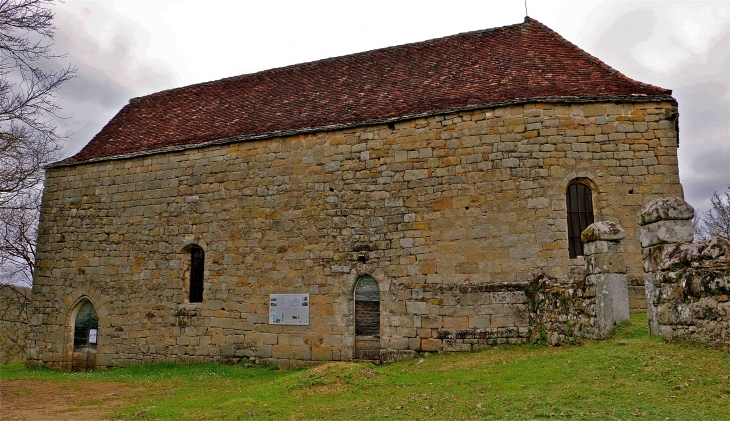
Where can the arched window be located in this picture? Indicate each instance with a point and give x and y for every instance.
(197, 269)
(86, 327)
(580, 214)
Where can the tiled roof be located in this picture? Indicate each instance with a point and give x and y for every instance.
(511, 64)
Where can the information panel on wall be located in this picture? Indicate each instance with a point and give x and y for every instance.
(289, 309)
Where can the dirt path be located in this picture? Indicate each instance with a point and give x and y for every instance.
(49, 400)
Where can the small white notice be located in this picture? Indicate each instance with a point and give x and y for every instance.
(289, 309)
(93, 333)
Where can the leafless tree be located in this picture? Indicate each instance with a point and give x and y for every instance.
(17, 257)
(700, 230)
(29, 140)
(17, 240)
(716, 221)
(14, 303)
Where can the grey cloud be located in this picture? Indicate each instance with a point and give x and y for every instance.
(699, 81)
(107, 75)
(702, 91)
(625, 30)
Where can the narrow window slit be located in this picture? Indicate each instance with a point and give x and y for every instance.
(197, 270)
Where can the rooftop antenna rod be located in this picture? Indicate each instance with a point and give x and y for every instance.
(526, 14)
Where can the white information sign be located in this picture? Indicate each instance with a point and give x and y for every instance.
(289, 309)
(92, 336)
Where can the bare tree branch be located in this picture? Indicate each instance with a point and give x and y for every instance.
(17, 239)
(717, 219)
(701, 233)
(29, 141)
(14, 304)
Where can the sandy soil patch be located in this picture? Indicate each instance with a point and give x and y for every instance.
(30, 400)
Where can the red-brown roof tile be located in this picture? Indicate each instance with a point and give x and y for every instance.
(492, 67)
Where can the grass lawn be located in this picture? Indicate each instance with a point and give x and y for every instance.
(630, 376)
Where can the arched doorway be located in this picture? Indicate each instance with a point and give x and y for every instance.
(86, 334)
(367, 319)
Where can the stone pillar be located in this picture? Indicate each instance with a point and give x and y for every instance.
(664, 223)
(606, 269)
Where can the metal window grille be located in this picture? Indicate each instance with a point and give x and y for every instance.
(197, 269)
(580, 214)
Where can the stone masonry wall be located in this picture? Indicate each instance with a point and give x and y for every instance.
(465, 317)
(428, 207)
(687, 283)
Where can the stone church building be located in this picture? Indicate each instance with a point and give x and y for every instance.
(339, 209)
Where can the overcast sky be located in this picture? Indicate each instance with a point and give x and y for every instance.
(128, 48)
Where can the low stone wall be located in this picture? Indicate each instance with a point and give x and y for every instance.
(687, 284)
(471, 317)
(559, 313)
(588, 307)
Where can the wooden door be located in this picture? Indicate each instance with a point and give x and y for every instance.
(367, 319)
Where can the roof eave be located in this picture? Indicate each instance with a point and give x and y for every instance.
(68, 162)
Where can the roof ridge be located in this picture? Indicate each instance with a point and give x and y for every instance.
(590, 56)
(488, 66)
(279, 133)
(326, 60)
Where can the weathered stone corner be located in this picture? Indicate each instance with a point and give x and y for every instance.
(687, 283)
(603, 249)
(665, 209)
(668, 256)
(603, 231)
(606, 269)
(666, 220)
